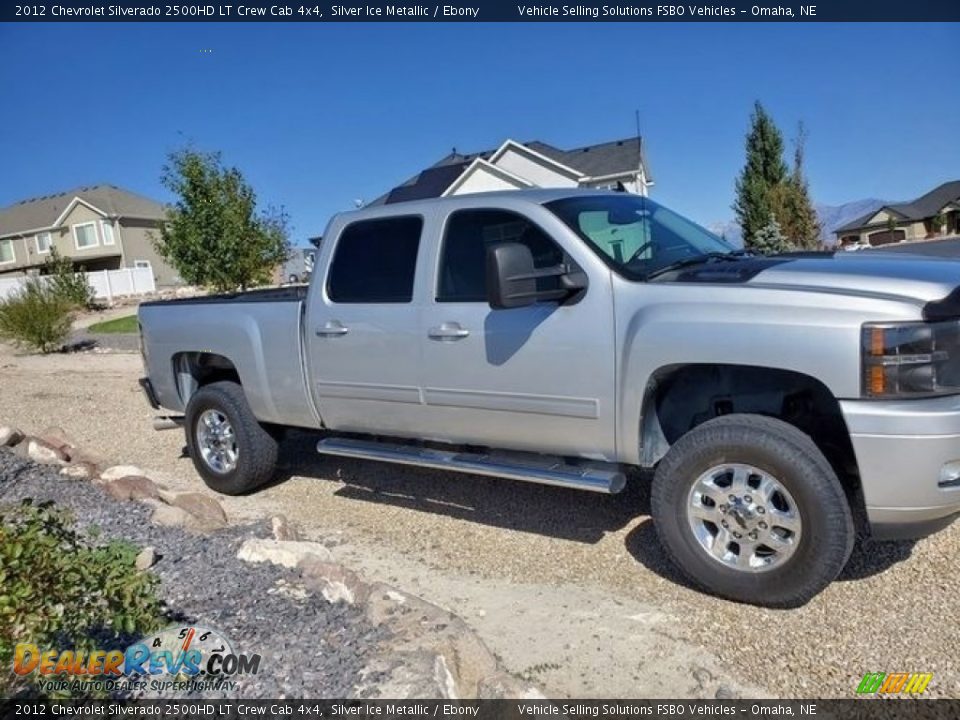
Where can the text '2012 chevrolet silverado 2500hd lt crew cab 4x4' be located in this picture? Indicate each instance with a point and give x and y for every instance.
(565, 337)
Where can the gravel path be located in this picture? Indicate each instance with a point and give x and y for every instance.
(309, 647)
(570, 588)
(81, 340)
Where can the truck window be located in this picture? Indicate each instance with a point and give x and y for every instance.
(375, 261)
(462, 274)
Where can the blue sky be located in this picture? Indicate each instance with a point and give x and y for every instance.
(319, 115)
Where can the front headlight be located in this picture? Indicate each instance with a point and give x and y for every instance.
(914, 359)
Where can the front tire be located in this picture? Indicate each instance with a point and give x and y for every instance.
(749, 509)
(231, 451)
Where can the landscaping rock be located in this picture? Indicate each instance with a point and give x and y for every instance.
(207, 511)
(40, 452)
(335, 582)
(288, 553)
(80, 471)
(169, 516)
(57, 437)
(282, 529)
(146, 559)
(132, 487)
(118, 471)
(9, 436)
(313, 648)
(503, 686)
(422, 627)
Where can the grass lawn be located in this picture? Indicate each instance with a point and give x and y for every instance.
(126, 324)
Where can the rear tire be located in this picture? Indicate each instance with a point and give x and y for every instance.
(749, 509)
(231, 451)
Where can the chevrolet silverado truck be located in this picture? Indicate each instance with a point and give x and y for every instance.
(568, 336)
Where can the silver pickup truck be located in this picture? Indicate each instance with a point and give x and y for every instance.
(566, 337)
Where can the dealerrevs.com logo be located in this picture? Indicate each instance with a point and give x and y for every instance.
(894, 683)
(180, 658)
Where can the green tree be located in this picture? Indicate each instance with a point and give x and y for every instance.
(791, 204)
(763, 171)
(214, 234)
(770, 239)
(71, 285)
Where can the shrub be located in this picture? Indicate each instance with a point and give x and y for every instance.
(36, 317)
(72, 286)
(59, 590)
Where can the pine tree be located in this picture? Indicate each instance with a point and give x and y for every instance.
(791, 204)
(764, 170)
(770, 239)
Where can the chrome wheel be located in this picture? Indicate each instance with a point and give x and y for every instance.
(217, 441)
(744, 517)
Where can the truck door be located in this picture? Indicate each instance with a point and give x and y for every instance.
(361, 333)
(537, 378)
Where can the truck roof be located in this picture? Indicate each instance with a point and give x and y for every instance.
(534, 196)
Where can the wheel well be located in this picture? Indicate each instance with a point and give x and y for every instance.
(681, 397)
(193, 370)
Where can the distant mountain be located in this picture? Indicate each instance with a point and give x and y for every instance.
(831, 217)
(729, 230)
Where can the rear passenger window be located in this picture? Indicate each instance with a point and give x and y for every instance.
(464, 252)
(375, 261)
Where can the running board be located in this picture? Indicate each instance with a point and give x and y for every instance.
(547, 471)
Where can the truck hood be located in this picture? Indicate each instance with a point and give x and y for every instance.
(865, 273)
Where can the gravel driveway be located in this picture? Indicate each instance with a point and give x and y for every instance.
(568, 588)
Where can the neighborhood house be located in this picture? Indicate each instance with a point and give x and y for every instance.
(616, 165)
(100, 227)
(936, 214)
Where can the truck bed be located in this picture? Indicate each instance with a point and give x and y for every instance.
(256, 333)
(291, 293)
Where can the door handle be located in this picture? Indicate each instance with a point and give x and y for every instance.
(332, 328)
(448, 331)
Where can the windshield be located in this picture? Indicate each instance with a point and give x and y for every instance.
(635, 235)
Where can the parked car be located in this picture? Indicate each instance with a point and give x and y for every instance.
(565, 336)
(855, 246)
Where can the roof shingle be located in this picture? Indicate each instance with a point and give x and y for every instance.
(610, 158)
(42, 212)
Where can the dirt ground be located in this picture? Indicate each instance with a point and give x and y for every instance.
(570, 589)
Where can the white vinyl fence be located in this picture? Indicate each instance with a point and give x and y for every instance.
(106, 284)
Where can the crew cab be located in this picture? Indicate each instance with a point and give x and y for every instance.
(569, 336)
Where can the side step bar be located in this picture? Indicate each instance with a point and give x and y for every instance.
(547, 471)
(168, 422)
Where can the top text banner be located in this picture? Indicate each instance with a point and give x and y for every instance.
(487, 11)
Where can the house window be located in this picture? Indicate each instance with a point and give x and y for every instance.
(6, 252)
(142, 264)
(44, 243)
(106, 229)
(85, 235)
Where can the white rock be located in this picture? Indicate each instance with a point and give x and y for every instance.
(41, 453)
(118, 471)
(9, 436)
(146, 558)
(282, 529)
(288, 553)
(79, 471)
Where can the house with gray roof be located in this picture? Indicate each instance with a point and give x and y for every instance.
(99, 227)
(615, 165)
(934, 215)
